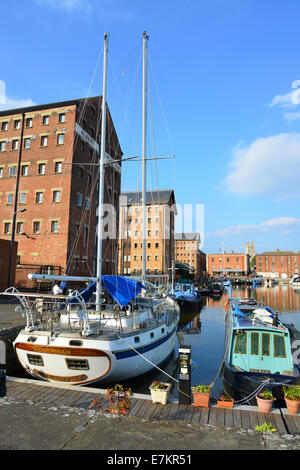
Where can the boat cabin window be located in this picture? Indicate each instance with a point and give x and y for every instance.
(265, 344)
(254, 343)
(31, 339)
(35, 360)
(75, 342)
(136, 339)
(240, 342)
(78, 364)
(279, 346)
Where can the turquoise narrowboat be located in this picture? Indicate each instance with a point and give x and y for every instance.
(259, 353)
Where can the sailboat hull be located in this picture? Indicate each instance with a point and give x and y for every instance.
(96, 360)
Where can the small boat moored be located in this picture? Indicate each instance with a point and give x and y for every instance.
(259, 352)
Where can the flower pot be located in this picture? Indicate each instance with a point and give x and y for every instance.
(264, 406)
(201, 399)
(225, 403)
(292, 406)
(160, 395)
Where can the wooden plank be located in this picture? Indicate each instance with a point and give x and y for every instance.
(136, 406)
(253, 419)
(290, 424)
(196, 415)
(157, 412)
(24, 392)
(204, 416)
(58, 397)
(85, 402)
(245, 419)
(213, 414)
(150, 410)
(75, 399)
(189, 412)
(142, 410)
(269, 419)
(261, 418)
(296, 419)
(46, 393)
(237, 419)
(165, 412)
(173, 411)
(229, 418)
(16, 389)
(279, 424)
(11, 386)
(221, 417)
(181, 412)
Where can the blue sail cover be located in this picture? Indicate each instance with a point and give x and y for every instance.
(121, 289)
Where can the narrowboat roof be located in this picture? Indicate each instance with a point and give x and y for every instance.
(246, 322)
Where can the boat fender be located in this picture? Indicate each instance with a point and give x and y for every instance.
(227, 305)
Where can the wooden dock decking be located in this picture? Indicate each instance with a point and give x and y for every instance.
(240, 417)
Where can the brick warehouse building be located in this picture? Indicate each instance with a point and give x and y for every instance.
(187, 252)
(160, 217)
(57, 190)
(278, 264)
(229, 264)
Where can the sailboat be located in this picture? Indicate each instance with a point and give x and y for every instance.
(133, 333)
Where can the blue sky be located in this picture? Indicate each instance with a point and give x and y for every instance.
(225, 99)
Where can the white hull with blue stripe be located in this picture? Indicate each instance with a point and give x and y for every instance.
(117, 347)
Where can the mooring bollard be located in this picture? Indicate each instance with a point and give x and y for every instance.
(2, 383)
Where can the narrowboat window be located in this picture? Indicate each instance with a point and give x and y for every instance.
(77, 364)
(35, 360)
(136, 339)
(241, 343)
(151, 335)
(279, 346)
(266, 344)
(254, 343)
(162, 330)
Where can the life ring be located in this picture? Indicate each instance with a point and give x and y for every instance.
(227, 305)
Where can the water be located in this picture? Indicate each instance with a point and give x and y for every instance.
(205, 330)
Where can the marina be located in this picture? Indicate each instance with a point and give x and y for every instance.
(140, 308)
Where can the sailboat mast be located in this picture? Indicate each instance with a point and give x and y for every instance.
(144, 143)
(101, 177)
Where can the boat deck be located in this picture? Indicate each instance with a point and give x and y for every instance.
(240, 417)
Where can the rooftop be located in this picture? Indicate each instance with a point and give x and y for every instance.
(152, 197)
(39, 107)
(187, 236)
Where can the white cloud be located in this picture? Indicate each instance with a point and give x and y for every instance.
(269, 166)
(66, 5)
(9, 103)
(287, 225)
(290, 99)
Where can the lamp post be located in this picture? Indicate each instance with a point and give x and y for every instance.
(12, 240)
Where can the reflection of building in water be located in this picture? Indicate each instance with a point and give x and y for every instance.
(280, 297)
(190, 323)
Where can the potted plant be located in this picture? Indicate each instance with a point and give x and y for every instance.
(265, 401)
(292, 398)
(160, 391)
(225, 401)
(119, 398)
(201, 394)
